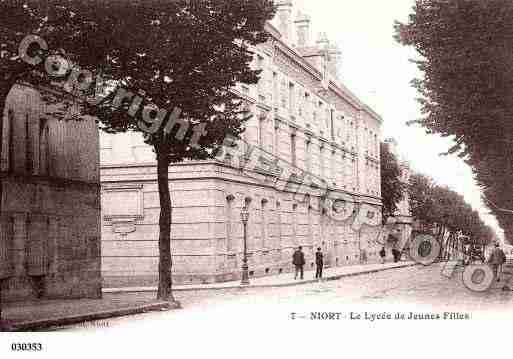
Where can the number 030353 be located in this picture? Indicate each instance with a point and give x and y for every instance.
(26, 347)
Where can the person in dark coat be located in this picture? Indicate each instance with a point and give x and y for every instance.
(396, 254)
(496, 260)
(319, 263)
(383, 254)
(298, 260)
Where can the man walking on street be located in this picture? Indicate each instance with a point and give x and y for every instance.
(298, 260)
(382, 254)
(496, 260)
(319, 263)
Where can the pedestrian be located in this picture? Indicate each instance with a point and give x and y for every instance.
(383, 254)
(496, 260)
(319, 263)
(395, 255)
(298, 260)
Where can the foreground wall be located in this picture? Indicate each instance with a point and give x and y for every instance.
(50, 207)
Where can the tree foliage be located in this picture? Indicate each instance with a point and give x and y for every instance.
(392, 187)
(179, 54)
(434, 204)
(467, 87)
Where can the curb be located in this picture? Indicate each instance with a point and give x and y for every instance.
(39, 325)
(278, 285)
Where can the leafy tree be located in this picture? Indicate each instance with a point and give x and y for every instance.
(179, 56)
(439, 206)
(392, 188)
(420, 194)
(467, 87)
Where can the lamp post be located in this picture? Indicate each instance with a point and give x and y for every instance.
(244, 216)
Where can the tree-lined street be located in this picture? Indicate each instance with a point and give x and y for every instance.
(425, 287)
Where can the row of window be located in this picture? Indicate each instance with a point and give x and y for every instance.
(263, 214)
(276, 90)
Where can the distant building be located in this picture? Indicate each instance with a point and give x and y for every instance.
(50, 201)
(401, 224)
(302, 115)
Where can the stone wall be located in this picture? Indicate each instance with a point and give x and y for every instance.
(207, 232)
(50, 221)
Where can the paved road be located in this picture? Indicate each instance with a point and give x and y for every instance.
(420, 286)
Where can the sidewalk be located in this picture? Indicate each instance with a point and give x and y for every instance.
(44, 314)
(280, 280)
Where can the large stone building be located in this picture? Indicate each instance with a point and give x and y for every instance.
(303, 115)
(50, 200)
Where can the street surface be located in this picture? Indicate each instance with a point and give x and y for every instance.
(415, 286)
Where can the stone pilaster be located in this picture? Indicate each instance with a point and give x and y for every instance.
(20, 244)
(6, 269)
(36, 245)
(53, 244)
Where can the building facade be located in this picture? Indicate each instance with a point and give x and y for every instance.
(50, 200)
(302, 115)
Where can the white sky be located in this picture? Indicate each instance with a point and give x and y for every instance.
(376, 68)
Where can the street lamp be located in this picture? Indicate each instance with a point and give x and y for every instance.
(244, 216)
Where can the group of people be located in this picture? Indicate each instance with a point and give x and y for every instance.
(395, 253)
(496, 260)
(298, 260)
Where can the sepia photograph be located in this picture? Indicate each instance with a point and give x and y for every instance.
(256, 178)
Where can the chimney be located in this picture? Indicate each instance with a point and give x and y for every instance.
(333, 64)
(284, 12)
(322, 41)
(331, 50)
(303, 30)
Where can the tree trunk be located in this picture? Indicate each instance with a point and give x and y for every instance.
(0, 304)
(165, 260)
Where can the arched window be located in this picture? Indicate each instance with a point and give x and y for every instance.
(229, 225)
(308, 155)
(309, 218)
(294, 224)
(263, 222)
(321, 162)
(278, 224)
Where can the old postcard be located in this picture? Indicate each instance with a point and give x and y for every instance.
(256, 178)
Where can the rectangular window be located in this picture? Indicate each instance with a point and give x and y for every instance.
(275, 89)
(308, 155)
(263, 223)
(276, 138)
(308, 109)
(293, 149)
(262, 81)
(292, 100)
(229, 239)
(261, 136)
(321, 160)
(333, 176)
(284, 93)
(300, 102)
